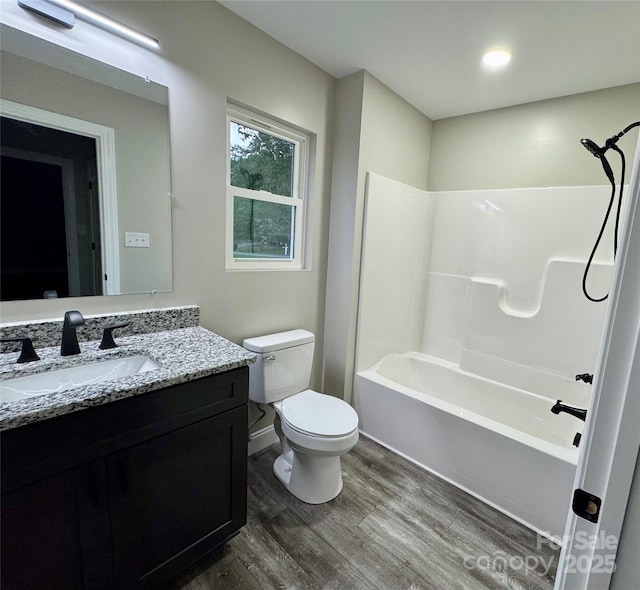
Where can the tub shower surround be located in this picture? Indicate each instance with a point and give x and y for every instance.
(471, 326)
(182, 354)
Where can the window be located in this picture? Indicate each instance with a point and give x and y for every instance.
(267, 166)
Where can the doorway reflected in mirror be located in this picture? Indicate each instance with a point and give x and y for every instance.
(50, 233)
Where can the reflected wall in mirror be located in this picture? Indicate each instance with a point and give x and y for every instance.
(85, 160)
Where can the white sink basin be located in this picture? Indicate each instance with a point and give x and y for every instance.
(65, 379)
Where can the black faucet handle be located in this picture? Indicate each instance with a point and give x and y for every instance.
(27, 353)
(107, 336)
(586, 377)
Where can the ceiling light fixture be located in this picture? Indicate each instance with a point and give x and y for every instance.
(496, 58)
(48, 10)
(86, 14)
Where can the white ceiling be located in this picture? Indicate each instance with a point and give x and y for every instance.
(429, 52)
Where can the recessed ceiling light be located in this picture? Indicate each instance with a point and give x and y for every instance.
(496, 58)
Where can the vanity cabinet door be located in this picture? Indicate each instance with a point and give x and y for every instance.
(176, 497)
(53, 532)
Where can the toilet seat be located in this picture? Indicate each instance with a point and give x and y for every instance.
(314, 414)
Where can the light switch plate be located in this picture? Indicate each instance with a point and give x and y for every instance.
(136, 240)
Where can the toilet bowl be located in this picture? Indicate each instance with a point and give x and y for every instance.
(314, 429)
(317, 430)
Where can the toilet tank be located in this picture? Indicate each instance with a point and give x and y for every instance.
(283, 366)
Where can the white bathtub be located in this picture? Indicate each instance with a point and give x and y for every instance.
(499, 443)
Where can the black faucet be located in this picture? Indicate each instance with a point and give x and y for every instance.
(577, 412)
(69, 346)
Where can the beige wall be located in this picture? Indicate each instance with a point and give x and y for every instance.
(346, 156)
(532, 145)
(208, 54)
(378, 131)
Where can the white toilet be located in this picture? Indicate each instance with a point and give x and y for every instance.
(315, 429)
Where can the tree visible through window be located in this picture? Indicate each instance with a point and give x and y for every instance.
(260, 161)
(264, 193)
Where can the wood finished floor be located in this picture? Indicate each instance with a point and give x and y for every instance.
(393, 527)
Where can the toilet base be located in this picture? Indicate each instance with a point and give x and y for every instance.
(312, 479)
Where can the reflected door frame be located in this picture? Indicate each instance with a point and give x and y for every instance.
(105, 154)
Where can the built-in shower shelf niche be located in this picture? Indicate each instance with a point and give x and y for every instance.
(599, 280)
(555, 337)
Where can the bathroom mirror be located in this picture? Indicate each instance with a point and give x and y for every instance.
(86, 197)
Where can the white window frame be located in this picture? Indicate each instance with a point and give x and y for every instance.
(297, 200)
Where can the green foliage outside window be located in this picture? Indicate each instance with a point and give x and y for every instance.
(261, 229)
(261, 162)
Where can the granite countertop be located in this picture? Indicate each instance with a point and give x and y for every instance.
(181, 355)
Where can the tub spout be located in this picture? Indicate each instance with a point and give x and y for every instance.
(577, 412)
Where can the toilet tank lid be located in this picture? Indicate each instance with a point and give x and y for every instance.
(279, 341)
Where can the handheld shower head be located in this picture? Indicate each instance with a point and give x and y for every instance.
(598, 152)
(593, 147)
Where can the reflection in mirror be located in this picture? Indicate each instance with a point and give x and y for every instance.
(85, 192)
(57, 251)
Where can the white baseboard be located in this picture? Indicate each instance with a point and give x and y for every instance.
(262, 439)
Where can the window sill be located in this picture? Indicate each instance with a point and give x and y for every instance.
(252, 266)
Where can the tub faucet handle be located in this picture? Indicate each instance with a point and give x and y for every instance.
(586, 377)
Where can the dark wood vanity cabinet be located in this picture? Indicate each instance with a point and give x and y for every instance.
(53, 533)
(174, 491)
(126, 494)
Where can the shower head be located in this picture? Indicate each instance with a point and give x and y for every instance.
(598, 152)
(593, 147)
